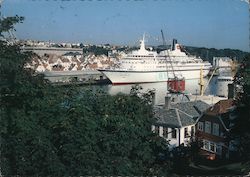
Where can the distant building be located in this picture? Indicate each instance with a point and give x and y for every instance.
(224, 65)
(213, 127)
(222, 62)
(71, 55)
(222, 88)
(176, 122)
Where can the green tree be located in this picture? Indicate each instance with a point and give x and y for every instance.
(241, 131)
(50, 130)
(18, 87)
(110, 135)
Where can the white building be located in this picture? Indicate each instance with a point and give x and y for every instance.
(176, 122)
(222, 85)
(225, 64)
(222, 62)
(71, 55)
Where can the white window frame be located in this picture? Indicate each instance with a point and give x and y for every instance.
(186, 135)
(158, 130)
(192, 132)
(172, 132)
(165, 133)
(208, 127)
(216, 129)
(208, 144)
(200, 126)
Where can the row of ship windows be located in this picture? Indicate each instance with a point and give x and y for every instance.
(151, 62)
(139, 62)
(142, 56)
(224, 80)
(161, 62)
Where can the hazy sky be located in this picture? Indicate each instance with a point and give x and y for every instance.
(201, 23)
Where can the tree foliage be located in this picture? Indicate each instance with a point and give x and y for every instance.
(241, 131)
(50, 130)
(8, 23)
(208, 53)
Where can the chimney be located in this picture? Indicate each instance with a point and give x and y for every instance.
(173, 45)
(167, 102)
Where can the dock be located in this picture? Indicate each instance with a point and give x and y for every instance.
(85, 77)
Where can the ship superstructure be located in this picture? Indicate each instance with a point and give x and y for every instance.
(144, 66)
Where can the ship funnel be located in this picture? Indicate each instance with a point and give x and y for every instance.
(173, 45)
(167, 102)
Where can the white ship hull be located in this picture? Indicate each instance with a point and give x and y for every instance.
(143, 66)
(128, 77)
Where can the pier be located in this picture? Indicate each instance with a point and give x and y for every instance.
(51, 50)
(78, 77)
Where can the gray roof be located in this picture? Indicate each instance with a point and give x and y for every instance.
(180, 114)
(172, 117)
(192, 108)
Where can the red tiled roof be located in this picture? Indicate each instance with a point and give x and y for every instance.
(221, 107)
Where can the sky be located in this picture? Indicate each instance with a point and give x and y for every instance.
(200, 23)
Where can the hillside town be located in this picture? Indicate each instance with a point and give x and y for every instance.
(50, 60)
(57, 129)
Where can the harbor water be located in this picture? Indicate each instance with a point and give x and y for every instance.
(161, 89)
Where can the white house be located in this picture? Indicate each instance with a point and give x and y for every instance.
(71, 55)
(222, 62)
(176, 122)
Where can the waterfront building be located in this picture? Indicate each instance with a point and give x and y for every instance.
(176, 121)
(212, 129)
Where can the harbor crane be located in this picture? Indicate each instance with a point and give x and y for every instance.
(175, 84)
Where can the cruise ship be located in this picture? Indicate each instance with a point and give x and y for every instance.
(147, 66)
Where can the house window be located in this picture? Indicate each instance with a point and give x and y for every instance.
(157, 131)
(200, 126)
(218, 149)
(173, 133)
(212, 147)
(207, 127)
(165, 132)
(185, 132)
(192, 131)
(206, 145)
(216, 129)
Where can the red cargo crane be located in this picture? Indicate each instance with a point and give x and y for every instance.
(175, 84)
